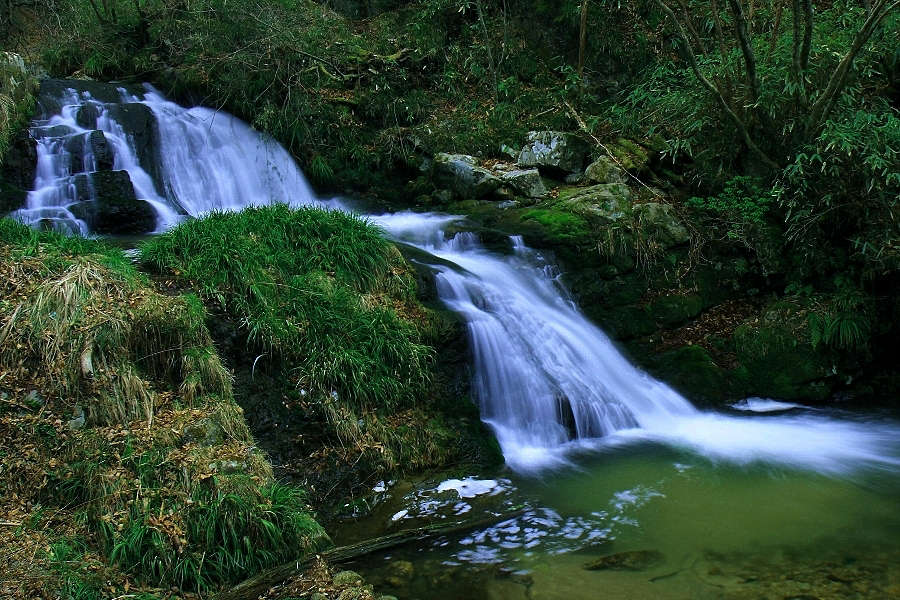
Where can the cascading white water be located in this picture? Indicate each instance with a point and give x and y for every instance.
(206, 160)
(546, 379)
(549, 382)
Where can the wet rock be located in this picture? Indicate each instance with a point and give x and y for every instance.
(87, 115)
(102, 151)
(603, 170)
(114, 207)
(347, 578)
(554, 151)
(89, 152)
(635, 560)
(527, 182)
(461, 174)
(139, 124)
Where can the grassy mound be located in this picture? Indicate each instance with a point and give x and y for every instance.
(333, 344)
(127, 442)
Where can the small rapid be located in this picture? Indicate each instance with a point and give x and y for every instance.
(547, 381)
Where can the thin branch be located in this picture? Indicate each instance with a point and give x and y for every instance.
(701, 47)
(742, 128)
(583, 126)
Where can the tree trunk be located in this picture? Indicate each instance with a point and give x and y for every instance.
(582, 37)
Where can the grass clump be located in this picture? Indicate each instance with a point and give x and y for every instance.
(121, 412)
(321, 290)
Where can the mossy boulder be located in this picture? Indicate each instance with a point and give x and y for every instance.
(603, 170)
(692, 371)
(555, 152)
(604, 203)
(461, 174)
(631, 155)
(661, 223)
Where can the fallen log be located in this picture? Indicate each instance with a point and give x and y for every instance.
(251, 589)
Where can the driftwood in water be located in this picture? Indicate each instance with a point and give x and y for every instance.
(251, 589)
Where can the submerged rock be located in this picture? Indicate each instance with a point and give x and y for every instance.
(635, 560)
(347, 578)
(461, 174)
(555, 151)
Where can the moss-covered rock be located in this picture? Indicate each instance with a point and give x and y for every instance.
(603, 170)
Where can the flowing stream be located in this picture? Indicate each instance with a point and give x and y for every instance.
(602, 456)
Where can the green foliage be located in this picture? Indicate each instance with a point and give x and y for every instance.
(309, 286)
(845, 323)
(742, 203)
(563, 226)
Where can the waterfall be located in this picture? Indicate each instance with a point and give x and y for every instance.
(545, 378)
(180, 161)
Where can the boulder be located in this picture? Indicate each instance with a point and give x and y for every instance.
(604, 170)
(554, 151)
(660, 221)
(461, 174)
(527, 182)
(606, 203)
(113, 207)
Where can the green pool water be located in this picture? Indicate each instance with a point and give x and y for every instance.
(674, 524)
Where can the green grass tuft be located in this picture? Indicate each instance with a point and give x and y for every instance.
(317, 289)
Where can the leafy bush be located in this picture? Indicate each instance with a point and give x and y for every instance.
(742, 203)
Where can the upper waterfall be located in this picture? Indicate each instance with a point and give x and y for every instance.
(133, 156)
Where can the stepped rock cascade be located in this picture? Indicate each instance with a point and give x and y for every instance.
(181, 161)
(547, 380)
